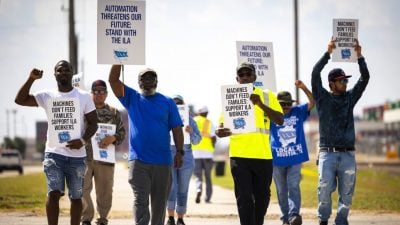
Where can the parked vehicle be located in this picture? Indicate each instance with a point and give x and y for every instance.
(10, 159)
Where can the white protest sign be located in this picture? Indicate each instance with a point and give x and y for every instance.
(121, 32)
(261, 55)
(78, 82)
(238, 110)
(345, 31)
(103, 154)
(184, 113)
(64, 121)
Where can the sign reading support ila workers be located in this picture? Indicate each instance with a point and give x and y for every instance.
(261, 55)
(345, 31)
(238, 110)
(121, 32)
(64, 121)
(103, 154)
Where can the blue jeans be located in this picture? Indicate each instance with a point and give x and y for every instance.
(287, 181)
(60, 169)
(180, 184)
(336, 169)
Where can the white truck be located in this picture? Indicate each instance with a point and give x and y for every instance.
(10, 159)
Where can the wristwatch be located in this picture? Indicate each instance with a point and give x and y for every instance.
(181, 152)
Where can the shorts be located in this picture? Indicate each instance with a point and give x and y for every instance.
(60, 169)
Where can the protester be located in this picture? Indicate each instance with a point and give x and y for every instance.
(250, 153)
(289, 150)
(203, 153)
(64, 160)
(151, 118)
(337, 165)
(177, 200)
(102, 172)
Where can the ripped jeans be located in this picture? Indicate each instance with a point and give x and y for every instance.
(60, 169)
(336, 169)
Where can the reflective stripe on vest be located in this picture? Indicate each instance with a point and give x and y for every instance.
(256, 144)
(204, 126)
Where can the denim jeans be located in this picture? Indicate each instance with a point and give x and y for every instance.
(336, 169)
(287, 181)
(180, 184)
(60, 169)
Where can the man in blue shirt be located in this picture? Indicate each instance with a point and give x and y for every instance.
(289, 150)
(151, 118)
(337, 166)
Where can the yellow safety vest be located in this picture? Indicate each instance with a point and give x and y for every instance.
(256, 145)
(204, 126)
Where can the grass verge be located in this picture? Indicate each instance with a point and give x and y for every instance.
(376, 190)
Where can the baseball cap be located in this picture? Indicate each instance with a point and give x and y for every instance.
(203, 109)
(245, 65)
(285, 96)
(99, 84)
(147, 70)
(337, 74)
(177, 97)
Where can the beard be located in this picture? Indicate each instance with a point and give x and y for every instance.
(148, 91)
(63, 83)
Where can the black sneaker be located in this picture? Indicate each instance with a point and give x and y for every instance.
(297, 220)
(171, 221)
(198, 196)
(323, 222)
(86, 223)
(180, 222)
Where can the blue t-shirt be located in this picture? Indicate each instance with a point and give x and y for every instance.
(288, 141)
(150, 120)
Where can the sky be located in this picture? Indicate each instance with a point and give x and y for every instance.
(192, 46)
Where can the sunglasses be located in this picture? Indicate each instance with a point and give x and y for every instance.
(147, 78)
(99, 92)
(285, 104)
(247, 74)
(343, 81)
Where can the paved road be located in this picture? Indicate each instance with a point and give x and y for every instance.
(222, 210)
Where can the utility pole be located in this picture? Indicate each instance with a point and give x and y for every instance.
(296, 47)
(8, 122)
(14, 111)
(73, 43)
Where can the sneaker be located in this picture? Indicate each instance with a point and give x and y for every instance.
(208, 201)
(198, 196)
(180, 222)
(285, 223)
(297, 220)
(323, 222)
(171, 221)
(86, 223)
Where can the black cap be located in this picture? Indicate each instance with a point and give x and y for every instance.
(285, 96)
(99, 83)
(245, 65)
(337, 74)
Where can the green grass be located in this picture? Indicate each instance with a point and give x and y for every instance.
(23, 192)
(376, 190)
